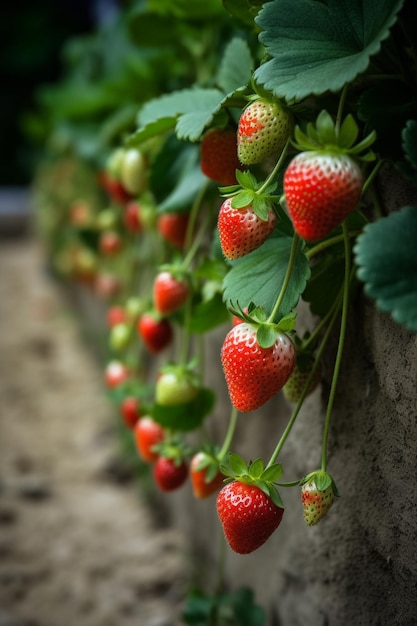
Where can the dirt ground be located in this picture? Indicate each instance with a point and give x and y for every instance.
(77, 547)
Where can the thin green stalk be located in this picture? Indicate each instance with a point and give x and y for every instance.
(340, 347)
(371, 176)
(327, 243)
(286, 280)
(229, 435)
(276, 169)
(299, 404)
(195, 245)
(193, 215)
(341, 106)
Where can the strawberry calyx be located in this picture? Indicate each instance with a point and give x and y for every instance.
(254, 473)
(249, 192)
(322, 481)
(327, 136)
(207, 460)
(266, 331)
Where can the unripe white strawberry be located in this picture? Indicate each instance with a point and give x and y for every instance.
(317, 496)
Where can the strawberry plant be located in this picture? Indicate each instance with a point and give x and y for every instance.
(244, 181)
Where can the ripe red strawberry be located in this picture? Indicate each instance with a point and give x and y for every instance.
(115, 374)
(148, 434)
(173, 228)
(116, 315)
(131, 217)
(321, 189)
(130, 411)
(116, 191)
(156, 333)
(170, 474)
(264, 128)
(242, 230)
(316, 502)
(169, 293)
(248, 516)
(110, 243)
(255, 374)
(218, 152)
(206, 477)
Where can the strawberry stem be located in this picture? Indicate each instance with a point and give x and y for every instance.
(193, 217)
(229, 435)
(340, 347)
(304, 393)
(340, 108)
(276, 169)
(286, 280)
(327, 243)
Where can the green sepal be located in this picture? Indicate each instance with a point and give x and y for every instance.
(266, 336)
(243, 199)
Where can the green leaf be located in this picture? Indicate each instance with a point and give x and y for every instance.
(320, 46)
(325, 283)
(387, 260)
(187, 416)
(197, 105)
(258, 276)
(236, 66)
(208, 315)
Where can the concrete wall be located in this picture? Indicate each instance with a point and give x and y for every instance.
(358, 566)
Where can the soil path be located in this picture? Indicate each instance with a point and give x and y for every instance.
(75, 549)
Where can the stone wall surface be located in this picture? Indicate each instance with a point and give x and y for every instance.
(358, 566)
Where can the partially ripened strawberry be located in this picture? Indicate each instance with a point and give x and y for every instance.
(255, 374)
(173, 228)
(116, 314)
(264, 128)
(248, 516)
(148, 434)
(156, 333)
(170, 473)
(295, 385)
(218, 156)
(241, 230)
(169, 292)
(318, 492)
(206, 478)
(115, 374)
(130, 410)
(321, 190)
(131, 217)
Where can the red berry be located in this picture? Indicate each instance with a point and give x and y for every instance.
(219, 160)
(170, 474)
(129, 410)
(173, 228)
(156, 333)
(242, 230)
(205, 476)
(116, 315)
(115, 374)
(248, 516)
(169, 294)
(110, 243)
(114, 188)
(131, 217)
(321, 190)
(148, 433)
(255, 374)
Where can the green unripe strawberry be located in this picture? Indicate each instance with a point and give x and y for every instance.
(264, 128)
(296, 383)
(318, 492)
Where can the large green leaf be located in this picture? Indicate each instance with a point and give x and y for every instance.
(386, 255)
(189, 109)
(320, 46)
(236, 66)
(409, 137)
(258, 276)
